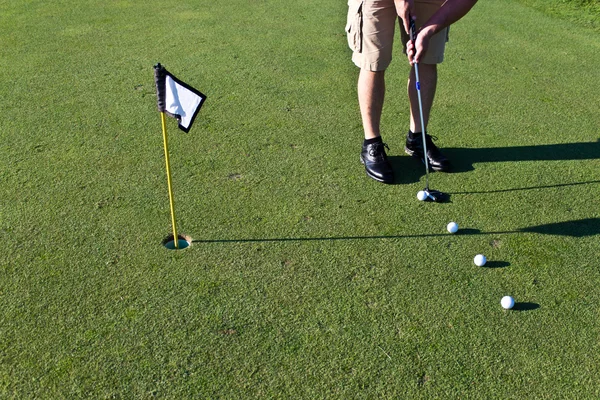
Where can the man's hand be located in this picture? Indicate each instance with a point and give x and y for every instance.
(450, 12)
(405, 10)
(416, 50)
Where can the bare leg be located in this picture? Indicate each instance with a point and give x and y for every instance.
(428, 80)
(371, 92)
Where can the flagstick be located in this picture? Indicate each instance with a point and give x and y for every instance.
(171, 201)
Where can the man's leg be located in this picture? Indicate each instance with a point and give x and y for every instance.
(371, 93)
(428, 78)
(370, 28)
(414, 139)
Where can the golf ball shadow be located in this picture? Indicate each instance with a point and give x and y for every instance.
(467, 231)
(496, 264)
(525, 306)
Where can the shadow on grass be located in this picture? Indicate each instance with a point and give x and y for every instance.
(525, 306)
(497, 264)
(407, 169)
(578, 228)
(468, 232)
(464, 158)
(527, 188)
(410, 169)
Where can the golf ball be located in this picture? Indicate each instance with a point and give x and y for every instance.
(507, 302)
(452, 227)
(421, 195)
(480, 260)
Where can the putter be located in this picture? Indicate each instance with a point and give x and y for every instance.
(432, 195)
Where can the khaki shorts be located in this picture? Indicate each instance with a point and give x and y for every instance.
(370, 29)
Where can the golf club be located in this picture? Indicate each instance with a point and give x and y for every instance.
(432, 195)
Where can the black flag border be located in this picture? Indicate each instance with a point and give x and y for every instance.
(190, 88)
(195, 91)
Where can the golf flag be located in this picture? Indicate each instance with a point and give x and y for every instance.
(180, 101)
(176, 98)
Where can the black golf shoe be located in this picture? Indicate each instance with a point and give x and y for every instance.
(414, 147)
(376, 162)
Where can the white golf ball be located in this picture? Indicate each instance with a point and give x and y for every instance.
(507, 302)
(421, 195)
(480, 260)
(452, 227)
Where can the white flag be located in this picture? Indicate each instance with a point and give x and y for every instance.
(176, 98)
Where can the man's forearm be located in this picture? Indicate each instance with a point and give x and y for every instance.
(450, 12)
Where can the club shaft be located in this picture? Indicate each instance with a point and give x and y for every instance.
(418, 85)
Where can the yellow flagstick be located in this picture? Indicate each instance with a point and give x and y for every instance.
(171, 201)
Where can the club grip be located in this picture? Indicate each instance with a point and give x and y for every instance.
(413, 29)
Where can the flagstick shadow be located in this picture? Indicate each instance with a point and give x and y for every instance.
(317, 239)
(577, 228)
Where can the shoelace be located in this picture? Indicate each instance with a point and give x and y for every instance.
(430, 139)
(377, 148)
(432, 149)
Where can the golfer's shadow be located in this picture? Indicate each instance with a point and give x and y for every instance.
(576, 228)
(464, 158)
(407, 169)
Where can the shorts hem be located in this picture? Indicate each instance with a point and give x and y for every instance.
(362, 63)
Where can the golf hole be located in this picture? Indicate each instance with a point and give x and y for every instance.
(182, 240)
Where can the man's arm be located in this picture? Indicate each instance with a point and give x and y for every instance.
(405, 10)
(450, 12)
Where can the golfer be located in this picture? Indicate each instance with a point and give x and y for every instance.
(370, 31)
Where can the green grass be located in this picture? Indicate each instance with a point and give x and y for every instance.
(305, 279)
(576, 13)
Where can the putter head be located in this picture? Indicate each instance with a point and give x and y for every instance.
(436, 196)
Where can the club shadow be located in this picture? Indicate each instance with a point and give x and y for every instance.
(525, 306)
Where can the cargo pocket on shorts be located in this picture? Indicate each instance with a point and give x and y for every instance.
(354, 25)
